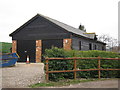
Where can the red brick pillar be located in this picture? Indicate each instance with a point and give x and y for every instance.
(38, 50)
(67, 44)
(14, 46)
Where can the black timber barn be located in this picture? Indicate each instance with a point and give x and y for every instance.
(41, 32)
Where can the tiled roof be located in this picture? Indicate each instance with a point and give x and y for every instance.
(70, 28)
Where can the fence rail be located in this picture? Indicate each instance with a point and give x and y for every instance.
(75, 70)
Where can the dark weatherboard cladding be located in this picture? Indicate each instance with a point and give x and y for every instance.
(39, 28)
(41, 32)
(84, 44)
(47, 44)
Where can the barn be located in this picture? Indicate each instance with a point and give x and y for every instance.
(42, 32)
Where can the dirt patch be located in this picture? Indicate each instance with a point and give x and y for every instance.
(22, 75)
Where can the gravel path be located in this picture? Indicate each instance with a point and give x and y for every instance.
(22, 75)
(96, 84)
(112, 83)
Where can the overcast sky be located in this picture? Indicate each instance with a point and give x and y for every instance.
(100, 16)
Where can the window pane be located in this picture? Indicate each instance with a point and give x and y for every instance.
(90, 46)
(79, 45)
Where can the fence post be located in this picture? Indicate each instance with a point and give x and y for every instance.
(99, 67)
(74, 69)
(47, 67)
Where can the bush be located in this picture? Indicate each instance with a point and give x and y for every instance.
(81, 64)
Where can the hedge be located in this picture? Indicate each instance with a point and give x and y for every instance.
(81, 64)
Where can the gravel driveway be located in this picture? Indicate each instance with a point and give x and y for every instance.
(22, 75)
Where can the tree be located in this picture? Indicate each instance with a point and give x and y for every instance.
(110, 41)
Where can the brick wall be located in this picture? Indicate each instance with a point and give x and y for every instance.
(67, 44)
(14, 46)
(38, 50)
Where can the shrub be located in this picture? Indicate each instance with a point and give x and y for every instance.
(81, 64)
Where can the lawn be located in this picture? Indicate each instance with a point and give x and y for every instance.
(5, 47)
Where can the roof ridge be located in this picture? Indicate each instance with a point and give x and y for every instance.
(58, 21)
(67, 27)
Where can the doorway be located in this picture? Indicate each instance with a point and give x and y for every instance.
(26, 48)
(49, 43)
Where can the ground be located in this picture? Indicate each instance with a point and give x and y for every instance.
(112, 83)
(22, 75)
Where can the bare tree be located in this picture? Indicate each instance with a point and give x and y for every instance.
(110, 41)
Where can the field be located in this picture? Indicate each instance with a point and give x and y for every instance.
(5, 47)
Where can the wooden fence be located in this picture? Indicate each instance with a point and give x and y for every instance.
(75, 66)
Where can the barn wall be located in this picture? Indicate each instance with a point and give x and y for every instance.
(41, 28)
(85, 44)
(49, 43)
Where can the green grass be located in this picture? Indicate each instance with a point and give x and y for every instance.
(5, 47)
(62, 82)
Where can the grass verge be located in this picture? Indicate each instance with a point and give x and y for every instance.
(62, 82)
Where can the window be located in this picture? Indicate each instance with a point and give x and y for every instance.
(90, 46)
(103, 48)
(95, 47)
(79, 45)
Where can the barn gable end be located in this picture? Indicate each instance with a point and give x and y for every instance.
(39, 28)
